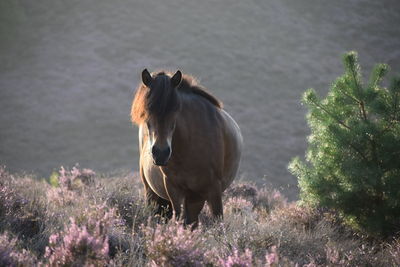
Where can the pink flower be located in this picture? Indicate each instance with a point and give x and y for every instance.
(174, 245)
(238, 260)
(272, 257)
(85, 244)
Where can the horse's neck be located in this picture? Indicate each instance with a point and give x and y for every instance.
(184, 123)
(195, 115)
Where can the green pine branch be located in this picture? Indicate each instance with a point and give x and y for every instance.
(353, 150)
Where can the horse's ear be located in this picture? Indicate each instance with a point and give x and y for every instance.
(176, 79)
(146, 77)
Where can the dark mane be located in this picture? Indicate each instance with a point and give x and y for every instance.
(162, 101)
(190, 85)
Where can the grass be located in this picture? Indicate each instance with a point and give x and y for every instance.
(78, 218)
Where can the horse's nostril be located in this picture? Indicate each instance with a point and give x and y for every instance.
(160, 156)
(155, 151)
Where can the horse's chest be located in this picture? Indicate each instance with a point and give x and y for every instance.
(154, 178)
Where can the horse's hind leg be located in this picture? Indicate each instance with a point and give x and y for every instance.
(192, 208)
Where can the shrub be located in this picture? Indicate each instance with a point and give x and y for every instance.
(84, 243)
(173, 245)
(75, 178)
(238, 205)
(297, 217)
(394, 251)
(270, 199)
(246, 191)
(9, 199)
(78, 247)
(123, 194)
(237, 259)
(23, 208)
(354, 149)
(265, 198)
(272, 257)
(257, 230)
(10, 255)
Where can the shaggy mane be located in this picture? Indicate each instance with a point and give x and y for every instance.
(144, 103)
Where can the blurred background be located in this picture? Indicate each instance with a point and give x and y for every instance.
(68, 71)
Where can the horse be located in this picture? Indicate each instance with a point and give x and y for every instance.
(190, 147)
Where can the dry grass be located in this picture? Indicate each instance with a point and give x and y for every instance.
(80, 218)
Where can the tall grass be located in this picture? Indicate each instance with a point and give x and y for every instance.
(79, 218)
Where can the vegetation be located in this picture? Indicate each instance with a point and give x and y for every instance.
(354, 150)
(78, 218)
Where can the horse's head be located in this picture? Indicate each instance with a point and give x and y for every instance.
(163, 105)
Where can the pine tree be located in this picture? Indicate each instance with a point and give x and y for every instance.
(353, 158)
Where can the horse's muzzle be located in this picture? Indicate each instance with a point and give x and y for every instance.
(160, 156)
(160, 163)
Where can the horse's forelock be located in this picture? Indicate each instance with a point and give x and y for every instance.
(162, 99)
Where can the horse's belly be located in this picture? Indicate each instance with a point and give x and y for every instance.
(233, 150)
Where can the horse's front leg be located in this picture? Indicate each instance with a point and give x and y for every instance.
(175, 196)
(192, 208)
(163, 206)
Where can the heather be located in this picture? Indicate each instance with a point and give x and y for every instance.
(79, 218)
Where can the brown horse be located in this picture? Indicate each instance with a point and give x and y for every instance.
(189, 146)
